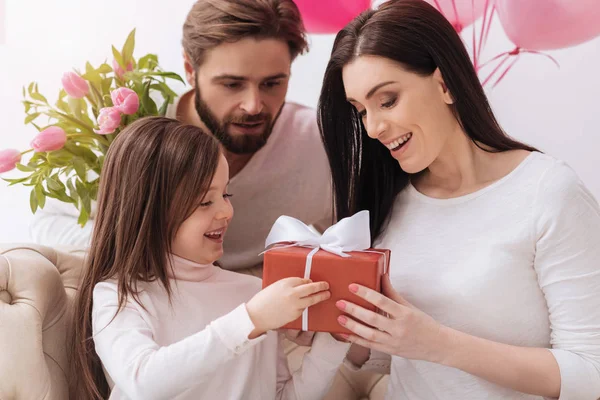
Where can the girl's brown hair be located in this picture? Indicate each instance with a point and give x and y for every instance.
(155, 173)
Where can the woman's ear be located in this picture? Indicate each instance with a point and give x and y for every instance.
(444, 91)
(190, 72)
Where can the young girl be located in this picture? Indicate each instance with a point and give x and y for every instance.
(156, 319)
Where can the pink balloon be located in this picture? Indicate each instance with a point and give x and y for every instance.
(329, 16)
(549, 24)
(461, 13)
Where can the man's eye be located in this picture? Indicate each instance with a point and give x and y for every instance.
(272, 84)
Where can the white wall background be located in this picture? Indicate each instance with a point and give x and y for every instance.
(557, 110)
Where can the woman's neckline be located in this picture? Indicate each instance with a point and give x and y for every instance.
(469, 196)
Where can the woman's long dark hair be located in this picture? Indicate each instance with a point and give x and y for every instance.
(417, 36)
(155, 173)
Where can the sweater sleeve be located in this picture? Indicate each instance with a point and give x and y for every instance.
(56, 225)
(567, 262)
(315, 376)
(144, 370)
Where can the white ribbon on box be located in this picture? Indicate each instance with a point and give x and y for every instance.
(349, 234)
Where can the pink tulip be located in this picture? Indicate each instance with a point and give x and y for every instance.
(108, 120)
(75, 85)
(119, 70)
(50, 139)
(126, 100)
(8, 159)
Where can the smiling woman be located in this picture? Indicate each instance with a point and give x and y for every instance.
(492, 292)
(396, 76)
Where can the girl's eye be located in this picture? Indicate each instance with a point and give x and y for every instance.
(209, 203)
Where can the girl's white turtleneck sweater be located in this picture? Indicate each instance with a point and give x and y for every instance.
(197, 346)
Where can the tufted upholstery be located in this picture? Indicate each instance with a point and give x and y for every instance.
(37, 287)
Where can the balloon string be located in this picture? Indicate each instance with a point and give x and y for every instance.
(485, 24)
(542, 54)
(500, 64)
(489, 23)
(514, 53)
(494, 59)
(475, 52)
(458, 25)
(506, 70)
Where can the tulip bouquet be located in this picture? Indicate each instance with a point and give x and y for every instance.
(76, 131)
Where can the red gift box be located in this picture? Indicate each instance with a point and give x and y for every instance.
(363, 267)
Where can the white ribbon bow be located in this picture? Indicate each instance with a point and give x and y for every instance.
(349, 234)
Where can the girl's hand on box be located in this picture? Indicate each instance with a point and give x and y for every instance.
(283, 302)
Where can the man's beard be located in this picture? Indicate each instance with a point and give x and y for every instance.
(237, 144)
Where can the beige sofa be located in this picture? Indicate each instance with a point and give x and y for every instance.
(37, 287)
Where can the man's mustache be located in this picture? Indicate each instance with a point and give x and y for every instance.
(249, 119)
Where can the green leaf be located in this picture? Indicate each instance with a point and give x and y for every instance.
(59, 158)
(169, 75)
(128, 47)
(33, 161)
(75, 105)
(63, 105)
(54, 184)
(104, 69)
(147, 102)
(24, 168)
(89, 67)
(163, 109)
(30, 88)
(94, 191)
(92, 75)
(27, 105)
(31, 117)
(83, 217)
(15, 181)
(41, 197)
(149, 61)
(24, 92)
(60, 195)
(72, 190)
(164, 89)
(84, 196)
(80, 168)
(33, 202)
(39, 97)
(117, 56)
(105, 85)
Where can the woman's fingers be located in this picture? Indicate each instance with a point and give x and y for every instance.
(368, 333)
(362, 314)
(377, 299)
